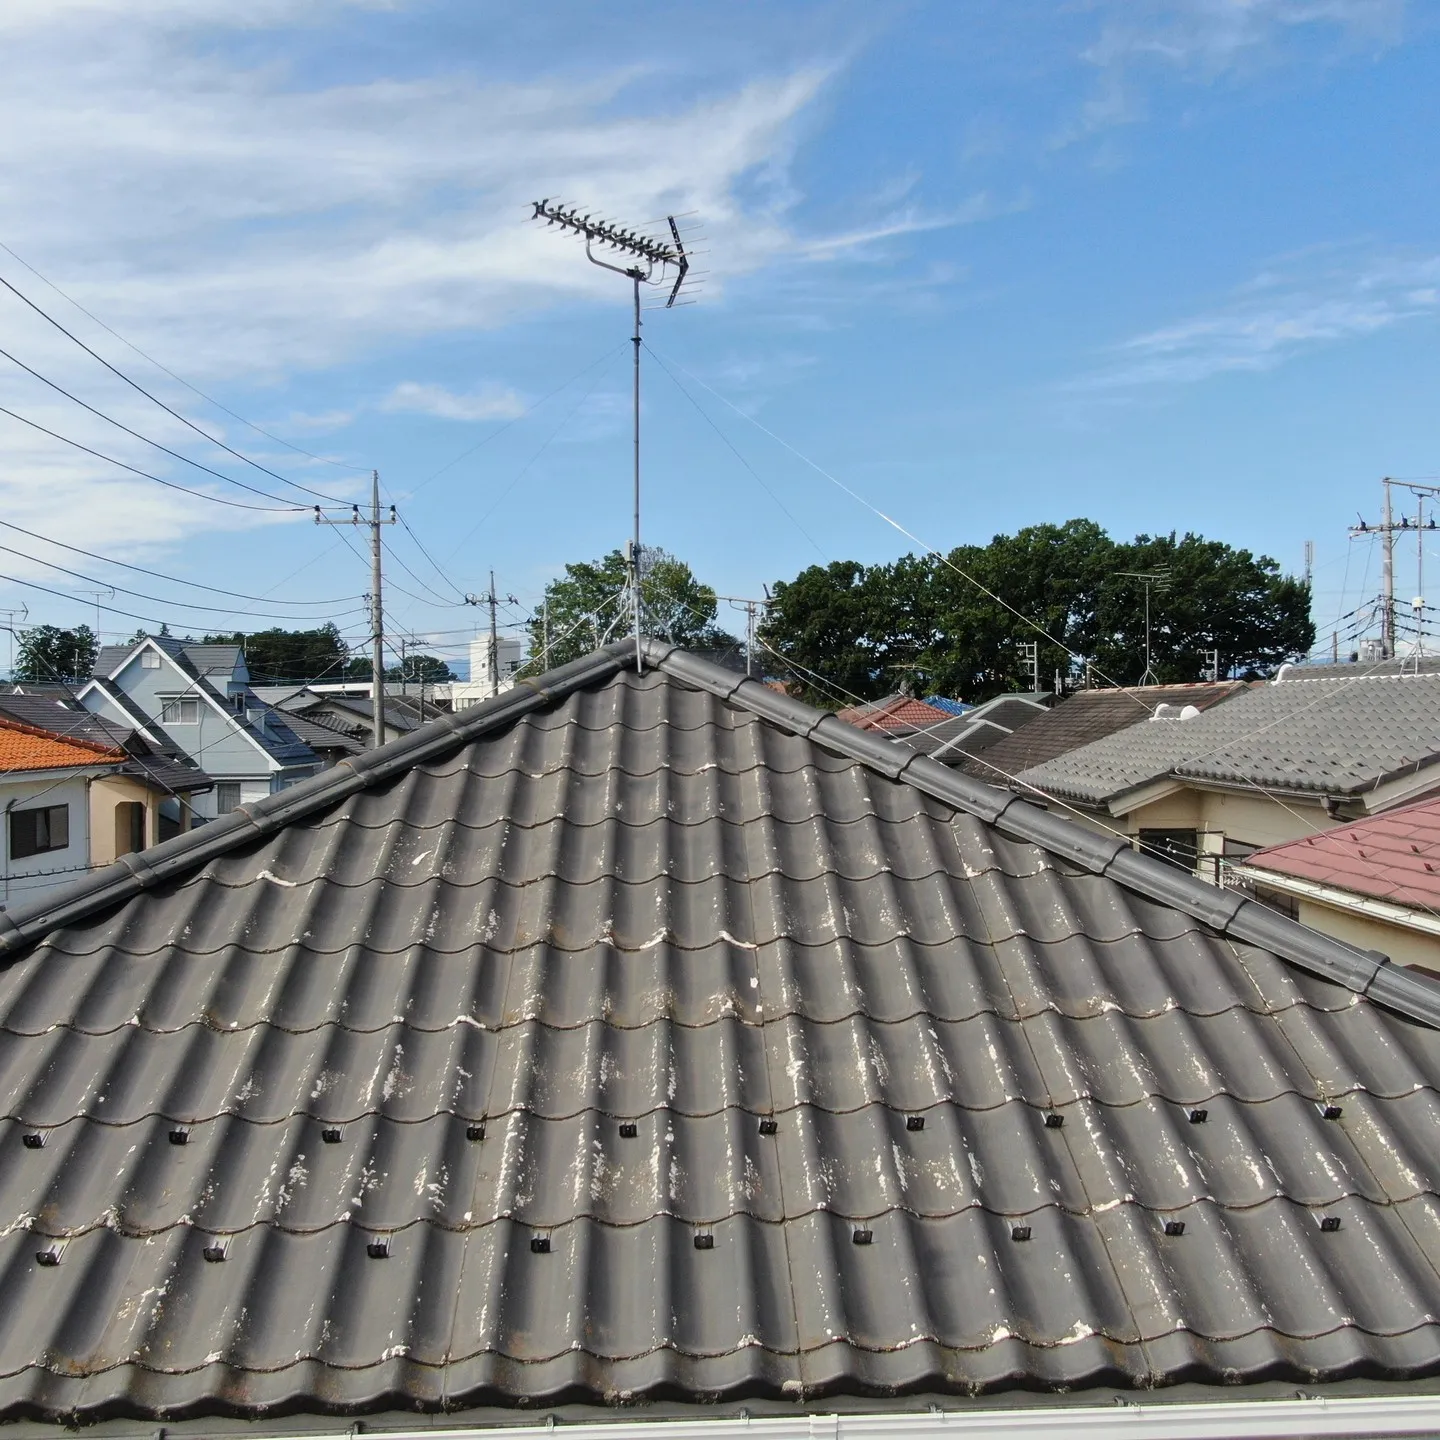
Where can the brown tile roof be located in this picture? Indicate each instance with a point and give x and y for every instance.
(24, 747)
(1394, 856)
(1086, 716)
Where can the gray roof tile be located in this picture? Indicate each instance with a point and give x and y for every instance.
(1331, 736)
(471, 957)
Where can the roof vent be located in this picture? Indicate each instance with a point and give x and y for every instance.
(1282, 672)
(1165, 711)
(1189, 712)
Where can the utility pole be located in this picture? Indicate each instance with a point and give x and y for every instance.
(1387, 530)
(108, 593)
(1212, 668)
(753, 609)
(491, 599)
(24, 613)
(651, 259)
(375, 601)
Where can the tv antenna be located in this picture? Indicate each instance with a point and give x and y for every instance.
(1159, 580)
(655, 262)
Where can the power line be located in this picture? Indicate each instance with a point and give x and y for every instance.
(288, 508)
(157, 599)
(158, 575)
(755, 475)
(179, 379)
(155, 399)
(145, 439)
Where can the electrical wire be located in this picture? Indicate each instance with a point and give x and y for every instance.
(283, 509)
(145, 439)
(438, 571)
(159, 575)
(179, 379)
(155, 399)
(156, 599)
(914, 539)
(725, 439)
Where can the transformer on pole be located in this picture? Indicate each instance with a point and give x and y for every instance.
(653, 262)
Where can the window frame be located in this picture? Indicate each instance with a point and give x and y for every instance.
(179, 702)
(32, 817)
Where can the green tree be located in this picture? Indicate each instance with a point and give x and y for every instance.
(48, 654)
(278, 657)
(1211, 597)
(584, 608)
(417, 669)
(959, 626)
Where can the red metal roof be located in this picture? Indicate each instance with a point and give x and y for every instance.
(899, 712)
(1394, 856)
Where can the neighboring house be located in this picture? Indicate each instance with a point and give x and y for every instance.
(1086, 716)
(197, 699)
(180, 783)
(638, 1048)
(355, 717)
(956, 740)
(1374, 882)
(896, 714)
(1281, 761)
(71, 803)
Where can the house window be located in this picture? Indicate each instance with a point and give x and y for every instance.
(227, 796)
(150, 660)
(1175, 847)
(180, 710)
(33, 832)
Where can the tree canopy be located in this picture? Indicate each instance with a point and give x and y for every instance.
(277, 657)
(583, 608)
(48, 653)
(958, 626)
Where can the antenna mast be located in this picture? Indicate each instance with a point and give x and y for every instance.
(652, 262)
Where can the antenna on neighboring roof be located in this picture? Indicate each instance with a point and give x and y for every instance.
(1160, 580)
(654, 261)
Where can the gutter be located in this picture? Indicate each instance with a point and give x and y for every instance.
(1303, 1416)
(1368, 906)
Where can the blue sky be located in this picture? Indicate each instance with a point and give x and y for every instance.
(1171, 264)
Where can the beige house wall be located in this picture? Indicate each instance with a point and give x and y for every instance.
(1403, 946)
(105, 795)
(1248, 819)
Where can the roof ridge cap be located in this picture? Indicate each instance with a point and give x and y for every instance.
(1234, 916)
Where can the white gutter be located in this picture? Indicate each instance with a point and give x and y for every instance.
(1250, 1420)
(1382, 910)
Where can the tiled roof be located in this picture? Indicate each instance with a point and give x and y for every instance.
(321, 733)
(27, 747)
(569, 1049)
(982, 727)
(895, 712)
(1086, 716)
(1333, 737)
(69, 720)
(213, 659)
(1394, 856)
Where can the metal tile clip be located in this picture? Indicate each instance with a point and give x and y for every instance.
(1174, 1227)
(1019, 1232)
(628, 1130)
(914, 1122)
(379, 1248)
(704, 1241)
(863, 1236)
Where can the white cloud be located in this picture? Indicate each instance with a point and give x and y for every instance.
(1202, 40)
(486, 402)
(1277, 315)
(245, 222)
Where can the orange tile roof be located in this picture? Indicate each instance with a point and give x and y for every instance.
(23, 747)
(899, 712)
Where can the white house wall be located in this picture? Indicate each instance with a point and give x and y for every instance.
(54, 867)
